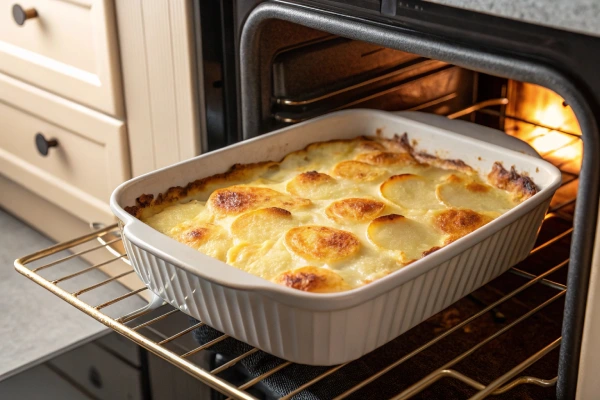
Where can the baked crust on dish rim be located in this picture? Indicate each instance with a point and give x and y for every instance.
(336, 215)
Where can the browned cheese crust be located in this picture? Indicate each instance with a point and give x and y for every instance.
(354, 209)
(197, 236)
(322, 243)
(238, 199)
(458, 223)
(312, 279)
(426, 158)
(521, 186)
(175, 194)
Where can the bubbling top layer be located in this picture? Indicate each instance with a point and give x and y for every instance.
(336, 215)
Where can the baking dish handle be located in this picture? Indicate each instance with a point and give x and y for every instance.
(153, 304)
(471, 130)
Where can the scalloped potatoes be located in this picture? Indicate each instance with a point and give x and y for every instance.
(336, 215)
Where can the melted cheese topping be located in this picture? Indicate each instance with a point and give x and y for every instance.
(411, 192)
(334, 216)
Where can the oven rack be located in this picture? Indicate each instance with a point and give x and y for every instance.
(126, 324)
(135, 325)
(416, 70)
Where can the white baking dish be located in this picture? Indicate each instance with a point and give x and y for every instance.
(327, 329)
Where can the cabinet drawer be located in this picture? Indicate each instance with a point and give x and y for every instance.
(100, 373)
(40, 383)
(87, 163)
(69, 48)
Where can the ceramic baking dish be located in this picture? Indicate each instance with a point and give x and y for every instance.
(327, 329)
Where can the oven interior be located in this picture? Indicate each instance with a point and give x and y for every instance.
(306, 73)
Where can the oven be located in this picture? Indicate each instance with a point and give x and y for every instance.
(272, 64)
(529, 333)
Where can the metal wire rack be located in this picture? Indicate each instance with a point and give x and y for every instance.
(136, 324)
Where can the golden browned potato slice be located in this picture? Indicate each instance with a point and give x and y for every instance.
(386, 158)
(267, 259)
(312, 279)
(175, 215)
(458, 223)
(235, 200)
(319, 155)
(396, 232)
(474, 196)
(411, 191)
(320, 243)
(332, 148)
(209, 239)
(261, 225)
(312, 185)
(354, 210)
(357, 171)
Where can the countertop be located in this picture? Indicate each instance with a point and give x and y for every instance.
(35, 324)
(581, 16)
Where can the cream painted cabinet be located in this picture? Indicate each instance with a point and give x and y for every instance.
(103, 106)
(88, 159)
(82, 110)
(68, 47)
(62, 122)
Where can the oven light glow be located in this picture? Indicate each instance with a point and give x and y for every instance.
(557, 147)
(569, 153)
(552, 115)
(546, 123)
(545, 142)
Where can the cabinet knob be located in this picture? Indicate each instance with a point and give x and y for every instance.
(20, 15)
(95, 378)
(43, 145)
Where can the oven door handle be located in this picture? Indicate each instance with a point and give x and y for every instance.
(472, 130)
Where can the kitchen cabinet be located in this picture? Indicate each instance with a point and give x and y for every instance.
(101, 373)
(92, 92)
(87, 159)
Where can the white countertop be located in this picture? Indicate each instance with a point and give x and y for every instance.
(35, 325)
(581, 16)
